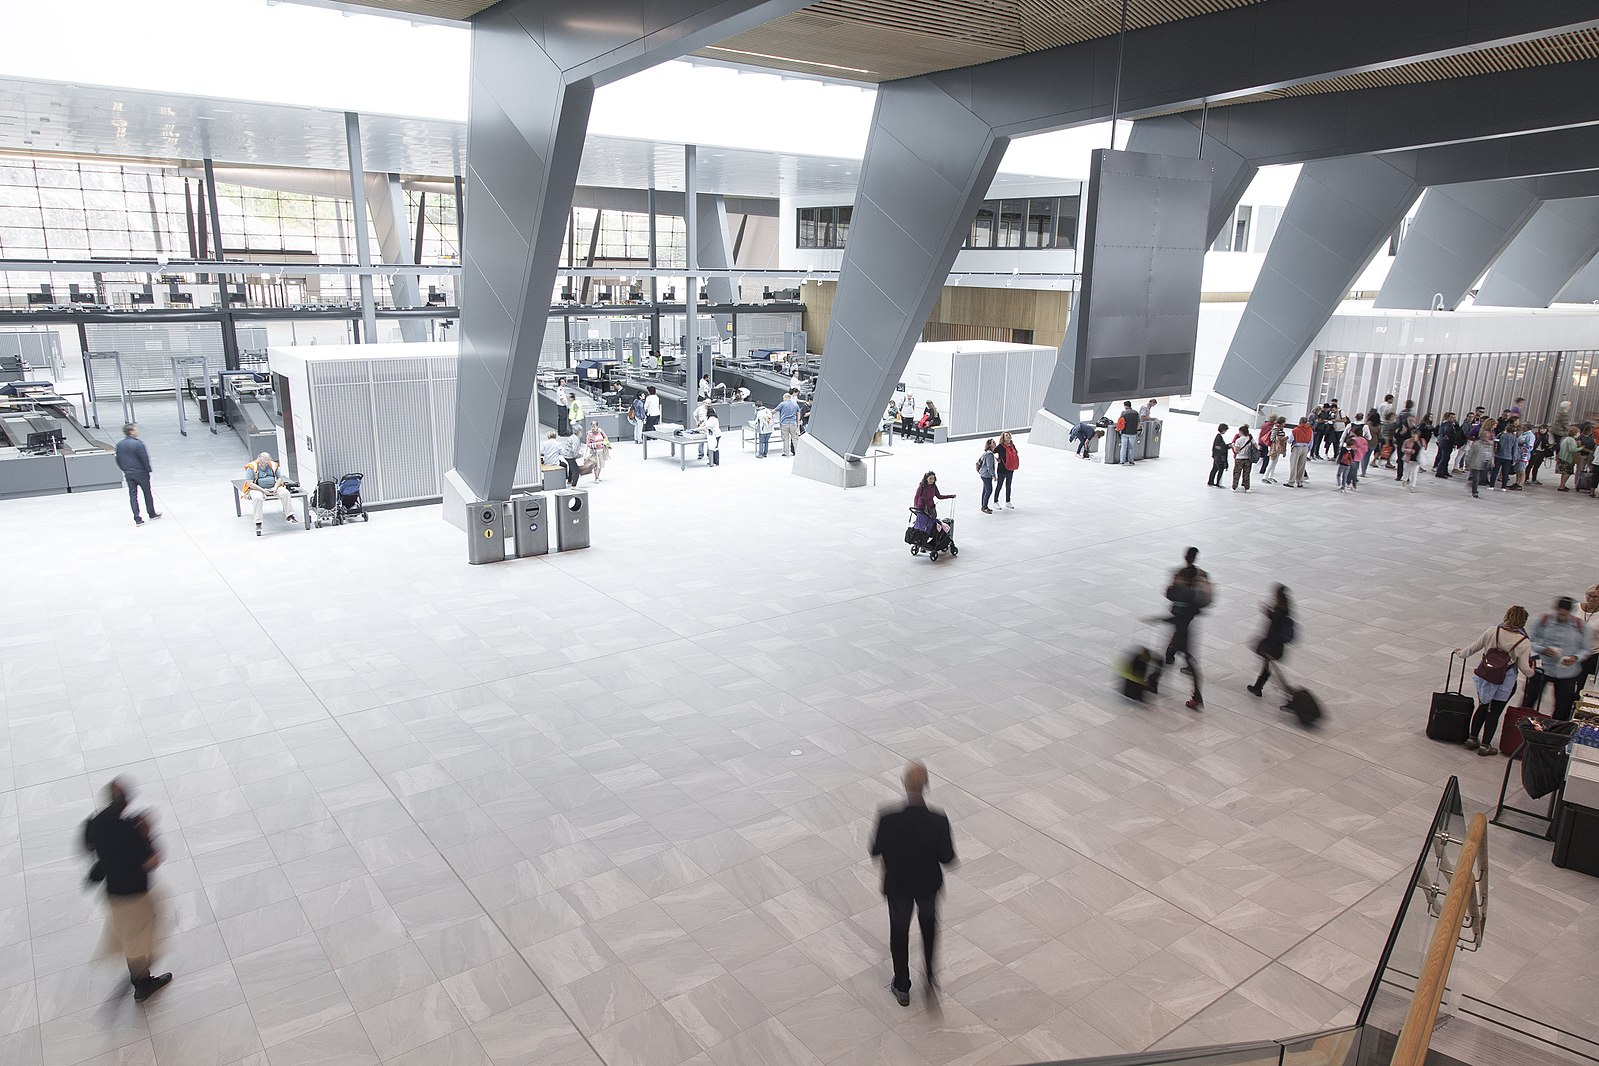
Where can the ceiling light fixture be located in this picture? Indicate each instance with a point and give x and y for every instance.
(787, 59)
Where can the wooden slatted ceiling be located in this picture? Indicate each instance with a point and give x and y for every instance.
(1570, 47)
(878, 40)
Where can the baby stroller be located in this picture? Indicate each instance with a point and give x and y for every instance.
(337, 502)
(929, 534)
(349, 505)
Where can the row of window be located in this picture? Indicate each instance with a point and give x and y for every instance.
(1039, 222)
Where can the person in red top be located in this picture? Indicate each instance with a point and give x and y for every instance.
(1007, 460)
(1303, 434)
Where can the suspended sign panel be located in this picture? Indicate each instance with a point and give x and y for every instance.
(1144, 243)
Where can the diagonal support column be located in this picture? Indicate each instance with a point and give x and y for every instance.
(1457, 234)
(1584, 288)
(535, 67)
(715, 245)
(928, 165)
(385, 198)
(1340, 213)
(1550, 250)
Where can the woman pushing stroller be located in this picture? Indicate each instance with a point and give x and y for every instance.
(928, 532)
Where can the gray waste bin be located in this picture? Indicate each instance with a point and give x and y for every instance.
(571, 519)
(1113, 445)
(530, 525)
(485, 532)
(1149, 438)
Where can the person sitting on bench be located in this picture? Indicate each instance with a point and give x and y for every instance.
(261, 479)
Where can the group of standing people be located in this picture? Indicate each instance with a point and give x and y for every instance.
(996, 469)
(1506, 452)
(1556, 653)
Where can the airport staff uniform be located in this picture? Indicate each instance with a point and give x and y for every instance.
(261, 479)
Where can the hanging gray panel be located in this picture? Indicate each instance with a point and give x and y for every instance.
(1143, 259)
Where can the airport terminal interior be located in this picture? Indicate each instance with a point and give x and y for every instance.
(534, 697)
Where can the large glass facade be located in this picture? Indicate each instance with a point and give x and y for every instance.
(1037, 222)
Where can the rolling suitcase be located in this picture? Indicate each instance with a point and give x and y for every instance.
(1510, 736)
(1449, 717)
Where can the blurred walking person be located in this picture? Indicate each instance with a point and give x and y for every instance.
(915, 845)
(124, 857)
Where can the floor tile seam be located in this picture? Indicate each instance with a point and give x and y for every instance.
(388, 787)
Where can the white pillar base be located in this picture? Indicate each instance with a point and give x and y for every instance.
(818, 462)
(1218, 408)
(456, 497)
(1051, 431)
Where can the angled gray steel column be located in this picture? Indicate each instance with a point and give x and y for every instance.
(1457, 234)
(928, 164)
(535, 66)
(1584, 288)
(363, 246)
(1340, 213)
(1548, 252)
(397, 245)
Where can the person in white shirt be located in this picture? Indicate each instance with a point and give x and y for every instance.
(713, 430)
(652, 409)
(764, 424)
(550, 451)
(795, 383)
(705, 387)
(1147, 410)
(908, 412)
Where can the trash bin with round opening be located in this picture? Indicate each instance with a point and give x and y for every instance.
(571, 519)
(485, 532)
(530, 525)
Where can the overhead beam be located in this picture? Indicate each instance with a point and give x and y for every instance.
(1584, 288)
(936, 140)
(535, 67)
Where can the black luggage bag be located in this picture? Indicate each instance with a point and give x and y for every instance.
(1449, 717)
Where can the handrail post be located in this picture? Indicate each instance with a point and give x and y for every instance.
(1433, 980)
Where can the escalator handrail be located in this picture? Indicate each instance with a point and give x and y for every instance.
(1433, 980)
(1448, 803)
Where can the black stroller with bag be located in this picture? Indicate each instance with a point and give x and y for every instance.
(337, 502)
(931, 534)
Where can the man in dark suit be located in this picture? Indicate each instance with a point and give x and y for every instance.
(133, 459)
(915, 845)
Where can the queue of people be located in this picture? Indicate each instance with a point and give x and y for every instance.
(1506, 453)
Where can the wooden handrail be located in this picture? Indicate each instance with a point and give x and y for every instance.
(1422, 1016)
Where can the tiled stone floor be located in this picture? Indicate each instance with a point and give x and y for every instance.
(612, 806)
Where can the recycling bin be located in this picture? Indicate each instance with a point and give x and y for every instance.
(485, 532)
(1113, 445)
(530, 527)
(1149, 438)
(571, 519)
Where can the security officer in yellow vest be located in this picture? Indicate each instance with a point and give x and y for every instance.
(261, 479)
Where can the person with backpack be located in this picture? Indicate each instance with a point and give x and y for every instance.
(1450, 437)
(1245, 452)
(1190, 592)
(1276, 447)
(1006, 462)
(1560, 641)
(1506, 653)
(635, 415)
(985, 472)
(1263, 445)
(765, 422)
(1475, 457)
(1543, 446)
(1357, 449)
(1273, 644)
(1127, 426)
(1507, 449)
(1410, 458)
(1219, 454)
